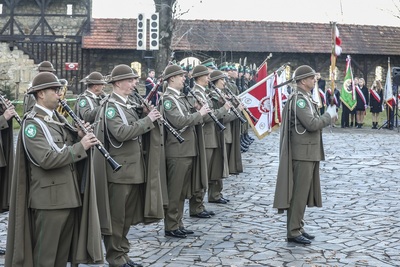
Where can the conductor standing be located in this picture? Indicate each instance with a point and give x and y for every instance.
(301, 150)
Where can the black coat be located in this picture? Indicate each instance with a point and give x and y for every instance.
(360, 103)
(376, 106)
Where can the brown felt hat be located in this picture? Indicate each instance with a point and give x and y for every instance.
(199, 71)
(122, 72)
(173, 70)
(46, 66)
(216, 75)
(94, 78)
(303, 72)
(44, 80)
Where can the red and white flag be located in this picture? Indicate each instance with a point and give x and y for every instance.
(265, 103)
(389, 99)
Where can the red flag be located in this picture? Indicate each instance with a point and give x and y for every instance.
(262, 72)
(264, 102)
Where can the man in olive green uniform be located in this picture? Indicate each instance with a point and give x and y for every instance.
(218, 80)
(184, 169)
(7, 111)
(301, 150)
(234, 154)
(88, 103)
(29, 101)
(124, 123)
(211, 133)
(46, 186)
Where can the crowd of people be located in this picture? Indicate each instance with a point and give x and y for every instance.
(127, 159)
(367, 101)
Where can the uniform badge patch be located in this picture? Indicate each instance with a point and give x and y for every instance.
(82, 103)
(30, 130)
(167, 104)
(110, 113)
(301, 103)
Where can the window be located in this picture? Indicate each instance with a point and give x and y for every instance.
(69, 9)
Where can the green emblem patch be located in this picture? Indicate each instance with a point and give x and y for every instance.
(30, 130)
(82, 103)
(167, 104)
(301, 103)
(110, 113)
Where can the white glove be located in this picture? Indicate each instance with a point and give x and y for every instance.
(332, 111)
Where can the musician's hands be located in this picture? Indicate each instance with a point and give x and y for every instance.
(154, 114)
(240, 106)
(147, 106)
(9, 112)
(87, 126)
(89, 140)
(204, 110)
(227, 105)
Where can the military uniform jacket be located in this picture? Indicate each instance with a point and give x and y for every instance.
(300, 139)
(6, 161)
(55, 188)
(177, 110)
(124, 129)
(53, 174)
(210, 129)
(87, 106)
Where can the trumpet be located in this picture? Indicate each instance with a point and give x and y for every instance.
(114, 165)
(242, 120)
(164, 122)
(16, 116)
(211, 114)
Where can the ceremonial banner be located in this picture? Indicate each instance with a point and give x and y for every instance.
(316, 96)
(336, 51)
(265, 103)
(348, 94)
(389, 99)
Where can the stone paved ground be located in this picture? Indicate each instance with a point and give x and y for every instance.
(358, 225)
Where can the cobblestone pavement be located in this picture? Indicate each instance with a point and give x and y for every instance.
(357, 226)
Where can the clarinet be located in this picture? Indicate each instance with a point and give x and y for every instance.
(201, 102)
(242, 120)
(164, 122)
(114, 165)
(16, 116)
(238, 101)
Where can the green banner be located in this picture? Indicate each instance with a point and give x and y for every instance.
(347, 95)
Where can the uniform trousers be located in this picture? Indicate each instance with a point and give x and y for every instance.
(303, 173)
(53, 231)
(196, 202)
(125, 200)
(179, 176)
(216, 186)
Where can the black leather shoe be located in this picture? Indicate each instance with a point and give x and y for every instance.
(125, 265)
(204, 214)
(227, 200)
(186, 231)
(134, 264)
(175, 233)
(210, 212)
(219, 201)
(308, 236)
(300, 240)
(2, 251)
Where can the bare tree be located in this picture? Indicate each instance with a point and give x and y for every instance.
(165, 8)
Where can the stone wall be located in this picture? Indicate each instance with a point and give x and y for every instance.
(16, 71)
(61, 25)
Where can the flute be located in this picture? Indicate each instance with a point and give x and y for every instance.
(164, 122)
(16, 116)
(242, 120)
(114, 165)
(201, 102)
(238, 101)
